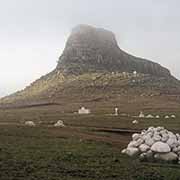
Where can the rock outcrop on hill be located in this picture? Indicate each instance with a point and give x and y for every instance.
(93, 70)
(90, 49)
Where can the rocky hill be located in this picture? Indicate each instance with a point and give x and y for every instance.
(93, 71)
(90, 49)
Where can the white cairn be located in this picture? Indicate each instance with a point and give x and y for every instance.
(59, 123)
(30, 123)
(155, 143)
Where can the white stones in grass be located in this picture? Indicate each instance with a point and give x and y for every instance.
(30, 123)
(173, 116)
(166, 117)
(149, 116)
(135, 122)
(135, 74)
(59, 123)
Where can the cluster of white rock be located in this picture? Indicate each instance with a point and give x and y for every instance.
(155, 144)
(59, 123)
(30, 123)
(141, 115)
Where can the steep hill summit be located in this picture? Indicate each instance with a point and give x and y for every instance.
(94, 72)
(90, 49)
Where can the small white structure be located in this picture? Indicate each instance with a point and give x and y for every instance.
(83, 110)
(173, 116)
(59, 123)
(141, 115)
(124, 73)
(149, 116)
(134, 73)
(135, 122)
(166, 117)
(30, 123)
(157, 116)
(116, 111)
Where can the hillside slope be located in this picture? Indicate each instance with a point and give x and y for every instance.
(95, 72)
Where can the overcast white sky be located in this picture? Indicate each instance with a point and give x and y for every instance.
(33, 33)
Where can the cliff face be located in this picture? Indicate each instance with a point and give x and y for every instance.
(90, 49)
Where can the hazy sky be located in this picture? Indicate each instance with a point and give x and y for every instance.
(33, 33)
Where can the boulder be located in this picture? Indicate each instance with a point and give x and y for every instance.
(149, 154)
(135, 122)
(123, 151)
(160, 147)
(144, 147)
(172, 142)
(136, 136)
(158, 129)
(139, 142)
(157, 138)
(30, 123)
(132, 151)
(170, 156)
(149, 142)
(149, 116)
(173, 116)
(147, 136)
(132, 144)
(164, 138)
(151, 129)
(59, 123)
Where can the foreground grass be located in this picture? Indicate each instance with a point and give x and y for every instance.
(36, 154)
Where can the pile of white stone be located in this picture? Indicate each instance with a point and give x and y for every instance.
(30, 123)
(155, 144)
(59, 123)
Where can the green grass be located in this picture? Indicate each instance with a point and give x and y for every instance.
(35, 154)
(51, 114)
(44, 153)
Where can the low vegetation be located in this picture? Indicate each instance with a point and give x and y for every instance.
(80, 151)
(34, 153)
